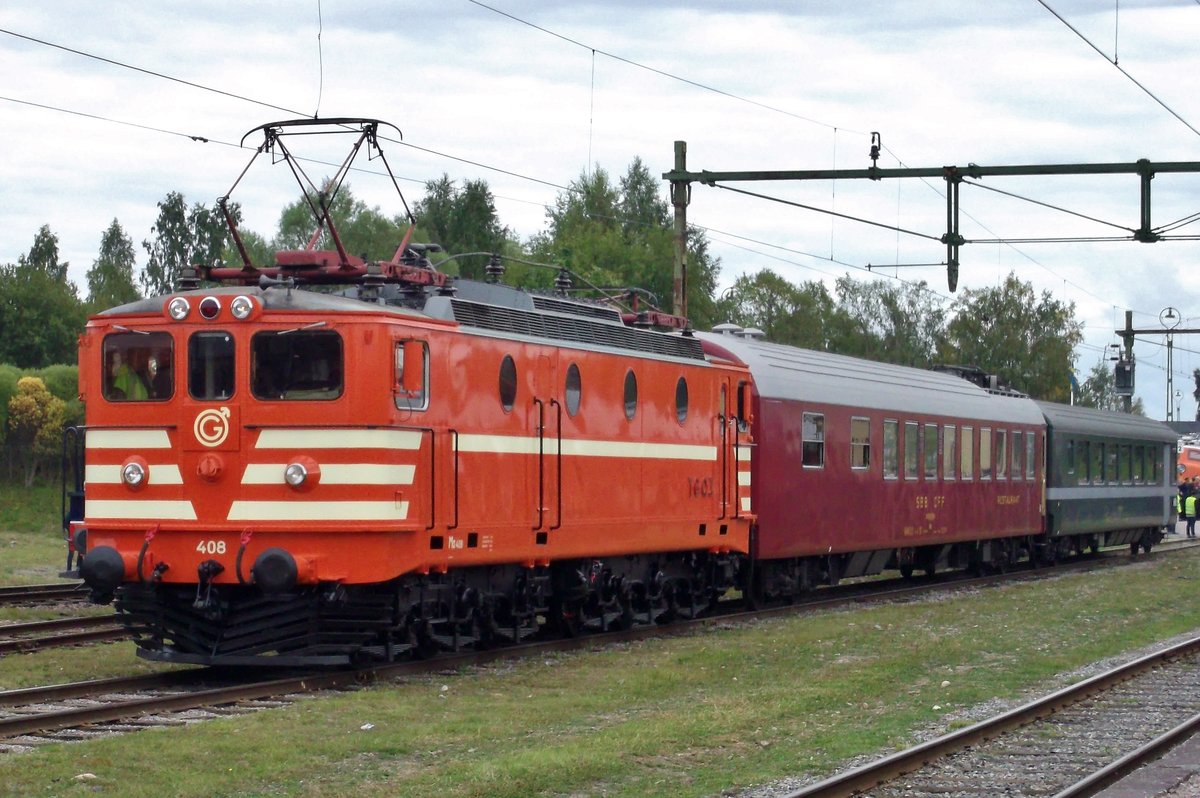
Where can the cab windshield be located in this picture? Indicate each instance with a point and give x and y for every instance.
(138, 367)
(296, 365)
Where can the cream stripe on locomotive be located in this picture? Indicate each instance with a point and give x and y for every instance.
(505, 444)
(156, 474)
(318, 511)
(127, 439)
(296, 439)
(335, 474)
(124, 509)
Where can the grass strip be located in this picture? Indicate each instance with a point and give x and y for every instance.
(693, 716)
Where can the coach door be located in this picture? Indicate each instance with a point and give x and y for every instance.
(546, 419)
(734, 419)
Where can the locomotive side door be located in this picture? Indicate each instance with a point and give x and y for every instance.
(546, 418)
(410, 395)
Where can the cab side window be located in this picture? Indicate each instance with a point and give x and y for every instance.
(412, 375)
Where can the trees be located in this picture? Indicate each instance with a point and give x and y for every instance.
(620, 236)
(35, 425)
(182, 237)
(1028, 341)
(461, 220)
(786, 313)
(110, 280)
(900, 323)
(364, 231)
(40, 312)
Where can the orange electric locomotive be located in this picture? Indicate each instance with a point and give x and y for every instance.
(283, 476)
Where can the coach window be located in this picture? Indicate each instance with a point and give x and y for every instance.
(412, 375)
(812, 449)
(985, 453)
(681, 400)
(1112, 472)
(931, 451)
(210, 365)
(508, 383)
(1017, 448)
(949, 453)
(296, 365)
(1125, 463)
(968, 453)
(1083, 458)
(891, 449)
(137, 367)
(630, 395)
(1139, 460)
(911, 453)
(574, 390)
(1098, 460)
(860, 443)
(1002, 454)
(1030, 456)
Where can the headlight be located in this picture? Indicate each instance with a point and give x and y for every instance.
(178, 308)
(133, 474)
(241, 307)
(210, 306)
(295, 474)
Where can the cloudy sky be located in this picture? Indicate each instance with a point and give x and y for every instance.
(105, 108)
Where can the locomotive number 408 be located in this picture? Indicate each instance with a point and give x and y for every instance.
(211, 547)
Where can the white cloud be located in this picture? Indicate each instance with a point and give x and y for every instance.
(1001, 83)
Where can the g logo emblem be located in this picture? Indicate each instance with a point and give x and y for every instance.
(212, 427)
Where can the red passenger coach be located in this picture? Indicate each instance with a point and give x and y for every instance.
(860, 466)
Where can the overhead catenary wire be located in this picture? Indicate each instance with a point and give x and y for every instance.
(1118, 67)
(496, 169)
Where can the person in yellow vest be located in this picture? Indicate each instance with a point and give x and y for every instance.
(127, 381)
(1189, 514)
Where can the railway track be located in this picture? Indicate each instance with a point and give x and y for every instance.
(37, 635)
(40, 594)
(1070, 744)
(33, 716)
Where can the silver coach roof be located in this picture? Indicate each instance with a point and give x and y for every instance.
(1090, 421)
(787, 372)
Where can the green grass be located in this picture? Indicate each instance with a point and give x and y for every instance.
(32, 549)
(690, 716)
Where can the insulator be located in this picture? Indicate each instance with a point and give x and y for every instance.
(562, 282)
(494, 269)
